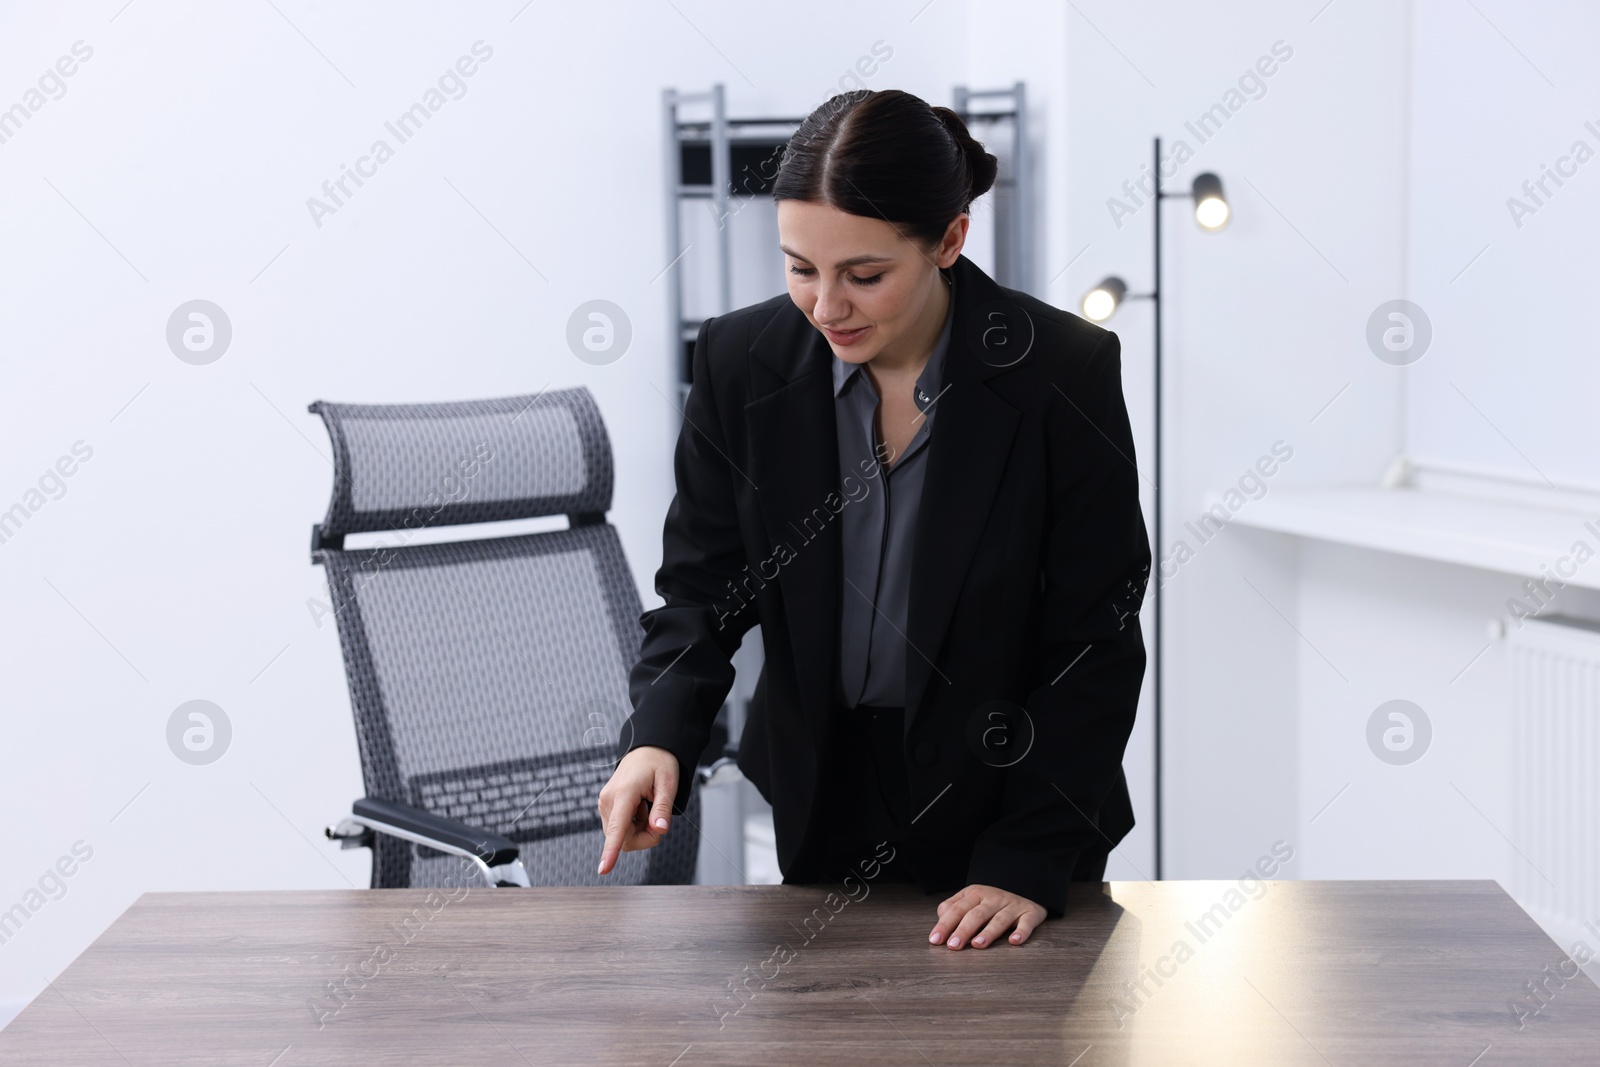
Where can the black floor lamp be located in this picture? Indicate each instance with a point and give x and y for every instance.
(1211, 213)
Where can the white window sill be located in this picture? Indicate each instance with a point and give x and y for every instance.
(1512, 536)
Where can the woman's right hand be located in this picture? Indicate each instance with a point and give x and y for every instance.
(636, 804)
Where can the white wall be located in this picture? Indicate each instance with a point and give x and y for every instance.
(1262, 332)
(177, 165)
(1499, 102)
(1377, 166)
(1508, 387)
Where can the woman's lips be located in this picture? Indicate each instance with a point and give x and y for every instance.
(846, 337)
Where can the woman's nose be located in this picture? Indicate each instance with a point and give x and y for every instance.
(830, 307)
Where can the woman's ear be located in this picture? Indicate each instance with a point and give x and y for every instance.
(955, 239)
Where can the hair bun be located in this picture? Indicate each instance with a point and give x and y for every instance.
(982, 166)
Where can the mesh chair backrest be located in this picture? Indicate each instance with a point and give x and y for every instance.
(488, 677)
(401, 466)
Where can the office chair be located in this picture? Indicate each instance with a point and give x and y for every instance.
(488, 677)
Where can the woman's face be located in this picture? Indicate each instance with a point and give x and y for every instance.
(858, 280)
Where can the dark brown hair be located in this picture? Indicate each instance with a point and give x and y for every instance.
(889, 155)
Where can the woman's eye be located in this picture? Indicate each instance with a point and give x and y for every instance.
(806, 272)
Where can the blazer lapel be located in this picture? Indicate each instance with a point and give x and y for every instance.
(794, 455)
(972, 434)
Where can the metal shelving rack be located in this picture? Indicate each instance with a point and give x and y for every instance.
(713, 159)
(1006, 110)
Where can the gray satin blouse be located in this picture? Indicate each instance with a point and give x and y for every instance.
(878, 522)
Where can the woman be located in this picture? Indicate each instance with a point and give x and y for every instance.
(921, 485)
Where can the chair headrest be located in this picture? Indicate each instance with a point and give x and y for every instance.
(405, 466)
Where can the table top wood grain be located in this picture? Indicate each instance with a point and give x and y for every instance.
(1195, 972)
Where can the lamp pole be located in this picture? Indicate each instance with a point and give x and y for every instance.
(1211, 213)
(1161, 616)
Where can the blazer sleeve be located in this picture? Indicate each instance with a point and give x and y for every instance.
(1091, 659)
(685, 669)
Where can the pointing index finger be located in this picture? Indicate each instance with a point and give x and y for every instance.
(613, 845)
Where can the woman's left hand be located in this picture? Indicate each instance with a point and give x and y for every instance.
(981, 915)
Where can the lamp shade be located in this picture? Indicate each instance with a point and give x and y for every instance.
(1100, 303)
(1210, 206)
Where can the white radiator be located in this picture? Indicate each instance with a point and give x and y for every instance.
(1555, 699)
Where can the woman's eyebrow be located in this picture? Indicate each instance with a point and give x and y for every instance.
(851, 262)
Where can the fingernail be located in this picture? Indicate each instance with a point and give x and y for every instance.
(977, 940)
(934, 937)
(661, 824)
(955, 942)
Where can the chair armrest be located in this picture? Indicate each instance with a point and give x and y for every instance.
(495, 854)
(722, 770)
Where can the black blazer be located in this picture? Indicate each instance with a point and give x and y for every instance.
(1029, 568)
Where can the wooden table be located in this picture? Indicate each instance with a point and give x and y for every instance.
(1305, 973)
